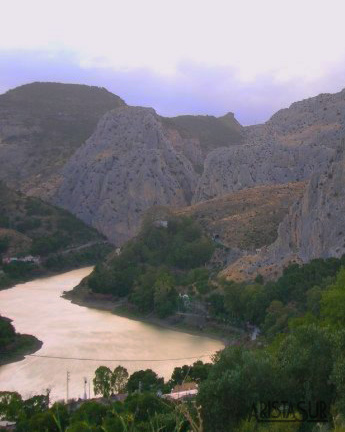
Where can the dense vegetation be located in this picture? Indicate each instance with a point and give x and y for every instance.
(142, 409)
(28, 226)
(152, 267)
(270, 306)
(49, 228)
(298, 361)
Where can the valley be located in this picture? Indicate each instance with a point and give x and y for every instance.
(129, 237)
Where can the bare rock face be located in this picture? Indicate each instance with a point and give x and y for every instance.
(314, 227)
(128, 165)
(291, 146)
(245, 166)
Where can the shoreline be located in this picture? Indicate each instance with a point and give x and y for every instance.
(119, 308)
(44, 274)
(30, 345)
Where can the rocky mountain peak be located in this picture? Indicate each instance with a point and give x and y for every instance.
(128, 165)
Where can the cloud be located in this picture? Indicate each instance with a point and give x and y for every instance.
(195, 88)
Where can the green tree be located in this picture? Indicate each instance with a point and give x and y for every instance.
(11, 405)
(119, 379)
(102, 381)
(305, 362)
(333, 302)
(7, 333)
(145, 406)
(165, 295)
(239, 378)
(92, 413)
(144, 380)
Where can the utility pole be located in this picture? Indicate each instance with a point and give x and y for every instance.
(67, 384)
(89, 390)
(85, 383)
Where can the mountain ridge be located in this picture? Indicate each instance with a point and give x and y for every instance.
(142, 159)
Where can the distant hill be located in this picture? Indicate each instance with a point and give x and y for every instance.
(42, 124)
(212, 132)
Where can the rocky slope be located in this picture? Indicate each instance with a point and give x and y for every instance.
(245, 166)
(136, 159)
(128, 165)
(290, 147)
(314, 227)
(246, 219)
(293, 144)
(41, 125)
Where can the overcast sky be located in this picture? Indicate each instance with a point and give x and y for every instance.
(250, 57)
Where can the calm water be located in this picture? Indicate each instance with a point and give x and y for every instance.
(69, 330)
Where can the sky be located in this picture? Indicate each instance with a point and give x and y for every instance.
(250, 57)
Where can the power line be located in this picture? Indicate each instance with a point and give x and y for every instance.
(118, 360)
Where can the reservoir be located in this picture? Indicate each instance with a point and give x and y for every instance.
(71, 331)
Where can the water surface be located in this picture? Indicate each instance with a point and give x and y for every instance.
(69, 330)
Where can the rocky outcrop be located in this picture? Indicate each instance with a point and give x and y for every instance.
(314, 227)
(127, 166)
(291, 146)
(245, 166)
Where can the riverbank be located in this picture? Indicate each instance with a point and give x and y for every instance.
(225, 334)
(22, 346)
(80, 339)
(54, 264)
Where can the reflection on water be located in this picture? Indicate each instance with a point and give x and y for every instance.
(69, 330)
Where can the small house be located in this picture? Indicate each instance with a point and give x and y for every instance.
(161, 223)
(7, 425)
(185, 390)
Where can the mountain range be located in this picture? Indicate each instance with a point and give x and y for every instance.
(84, 149)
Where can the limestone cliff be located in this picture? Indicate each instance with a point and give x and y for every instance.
(128, 165)
(289, 147)
(314, 227)
(136, 159)
(246, 166)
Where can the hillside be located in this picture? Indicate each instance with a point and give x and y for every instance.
(41, 125)
(133, 159)
(247, 219)
(313, 228)
(28, 226)
(136, 159)
(166, 258)
(128, 165)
